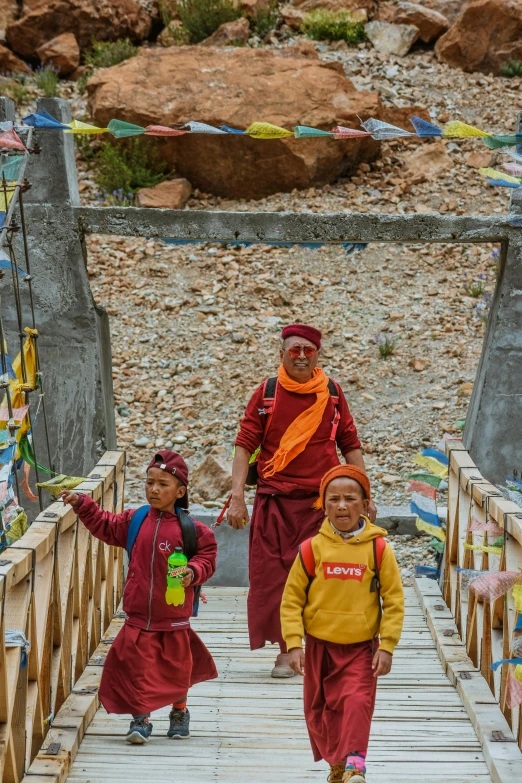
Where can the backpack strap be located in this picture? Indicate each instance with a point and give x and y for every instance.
(379, 545)
(334, 394)
(190, 547)
(269, 400)
(307, 558)
(136, 522)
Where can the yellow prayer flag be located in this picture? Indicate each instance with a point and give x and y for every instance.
(6, 196)
(459, 130)
(491, 550)
(432, 465)
(83, 127)
(29, 361)
(264, 130)
(518, 672)
(432, 530)
(494, 174)
(517, 597)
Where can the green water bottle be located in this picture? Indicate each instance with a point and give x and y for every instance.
(175, 595)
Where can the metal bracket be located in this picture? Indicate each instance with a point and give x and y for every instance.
(465, 675)
(109, 640)
(5, 562)
(439, 607)
(85, 691)
(448, 632)
(53, 749)
(498, 736)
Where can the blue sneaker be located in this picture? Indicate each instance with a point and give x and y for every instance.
(139, 731)
(179, 724)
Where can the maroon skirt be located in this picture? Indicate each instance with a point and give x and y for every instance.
(279, 524)
(339, 697)
(147, 670)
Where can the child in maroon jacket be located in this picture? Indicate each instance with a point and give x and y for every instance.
(156, 656)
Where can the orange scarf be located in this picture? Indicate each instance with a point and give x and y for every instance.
(299, 432)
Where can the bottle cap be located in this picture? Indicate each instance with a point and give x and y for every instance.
(178, 549)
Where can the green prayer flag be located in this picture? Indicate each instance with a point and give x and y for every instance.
(122, 129)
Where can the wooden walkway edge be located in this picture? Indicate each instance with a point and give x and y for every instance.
(248, 727)
(500, 748)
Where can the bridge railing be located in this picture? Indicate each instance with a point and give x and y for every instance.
(60, 587)
(486, 627)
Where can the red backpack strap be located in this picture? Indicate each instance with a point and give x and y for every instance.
(334, 394)
(380, 546)
(307, 557)
(269, 400)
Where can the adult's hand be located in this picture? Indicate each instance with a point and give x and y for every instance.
(372, 511)
(237, 516)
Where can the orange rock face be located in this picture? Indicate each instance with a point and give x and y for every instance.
(486, 35)
(62, 52)
(86, 19)
(236, 87)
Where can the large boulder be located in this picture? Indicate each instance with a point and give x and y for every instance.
(85, 19)
(234, 33)
(396, 39)
(486, 35)
(9, 12)
(172, 194)
(451, 9)
(237, 87)
(431, 24)
(62, 52)
(10, 63)
(212, 478)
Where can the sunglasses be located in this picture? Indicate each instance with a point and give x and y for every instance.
(295, 351)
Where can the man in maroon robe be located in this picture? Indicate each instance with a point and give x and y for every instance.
(290, 467)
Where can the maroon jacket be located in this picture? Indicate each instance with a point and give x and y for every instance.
(144, 594)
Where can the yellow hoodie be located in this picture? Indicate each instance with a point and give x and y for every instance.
(339, 606)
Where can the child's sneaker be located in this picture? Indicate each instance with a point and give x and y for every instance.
(353, 776)
(336, 772)
(179, 724)
(139, 731)
(355, 769)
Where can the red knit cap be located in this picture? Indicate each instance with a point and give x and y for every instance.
(349, 471)
(304, 331)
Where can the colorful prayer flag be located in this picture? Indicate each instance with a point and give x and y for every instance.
(11, 140)
(84, 127)
(341, 132)
(425, 128)
(304, 132)
(265, 130)
(383, 130)
(426, 478)
(161, 130)
(431, 464)
(492, 585)
(437, 455)
(459, 130)
(42, 119)
(202, 127)
(122, 130)
(491, 550)
(497, 142)
(228, 129)
(422, 488)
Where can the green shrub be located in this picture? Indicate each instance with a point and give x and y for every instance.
(511, 69)
(323, 25)
(167, 10)
(129, 166)
(18, 93)
(201, 18)
(105, 54)
(264, 20)
(81, 84)
(386, 345)
(47, 81)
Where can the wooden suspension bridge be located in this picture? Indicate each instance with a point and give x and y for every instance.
(440, 714)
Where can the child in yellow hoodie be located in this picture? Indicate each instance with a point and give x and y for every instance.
(344, 594)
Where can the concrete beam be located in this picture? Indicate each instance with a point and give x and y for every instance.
(292, 227)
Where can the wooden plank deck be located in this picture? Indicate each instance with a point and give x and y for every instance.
(248, 727)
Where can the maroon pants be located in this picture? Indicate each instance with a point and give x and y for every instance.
(147, 670)
(279, 524)
(339, 697)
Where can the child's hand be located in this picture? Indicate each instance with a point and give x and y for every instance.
(382, 663)
(188, 578)
(70, 498)
(297, 658)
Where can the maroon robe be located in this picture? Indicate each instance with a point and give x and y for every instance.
(339, 697)
(283, 514)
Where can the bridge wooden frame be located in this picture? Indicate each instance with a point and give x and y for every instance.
(61, 587)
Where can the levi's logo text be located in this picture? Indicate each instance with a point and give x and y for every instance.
(344, 571)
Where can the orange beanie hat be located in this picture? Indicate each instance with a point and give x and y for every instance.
(349, 471)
